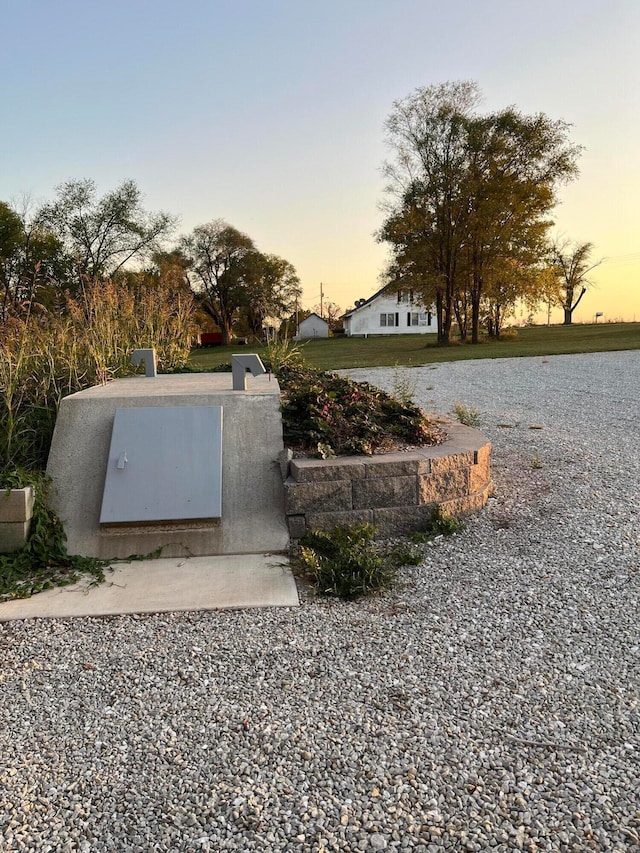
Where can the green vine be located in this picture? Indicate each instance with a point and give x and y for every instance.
(43, 563)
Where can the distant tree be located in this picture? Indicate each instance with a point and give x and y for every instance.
(272, 288)
(571, 265)
(331, 312)
(235, 281)
(33, 264)
(508, 284)
(468, 191)
(215, 253)
(103, 234)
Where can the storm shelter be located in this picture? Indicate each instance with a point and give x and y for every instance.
(180, 462)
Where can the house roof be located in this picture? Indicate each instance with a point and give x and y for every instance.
(368, 301)
(309, 316)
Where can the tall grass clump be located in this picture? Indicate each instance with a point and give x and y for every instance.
(46, 355)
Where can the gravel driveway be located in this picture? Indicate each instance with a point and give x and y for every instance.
(490, 702)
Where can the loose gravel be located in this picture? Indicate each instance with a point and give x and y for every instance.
(490, 702)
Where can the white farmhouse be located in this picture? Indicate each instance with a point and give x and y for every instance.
(390, 313)
(312, 326)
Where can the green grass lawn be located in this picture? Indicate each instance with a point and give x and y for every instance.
(384, 351)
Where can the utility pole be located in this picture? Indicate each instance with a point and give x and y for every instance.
(321, 298)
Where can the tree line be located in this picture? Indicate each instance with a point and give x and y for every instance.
(468, 209)
(468, 214)
(80, 239)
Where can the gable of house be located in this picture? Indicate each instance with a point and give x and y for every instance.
(390, 313)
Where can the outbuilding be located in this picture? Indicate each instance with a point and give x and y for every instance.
(313, 326)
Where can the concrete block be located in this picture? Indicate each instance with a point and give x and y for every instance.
(445, 464)
(397, 465)
(16, 504)
(16, 512)
(316, 470)
(297, 526)
(467, 505)
(443, 486)
(385, 492)
(396, 521)
(13, 535)
(322, 496)
(480, 474)
(328, 520)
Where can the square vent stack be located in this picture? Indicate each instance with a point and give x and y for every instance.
(164, 465)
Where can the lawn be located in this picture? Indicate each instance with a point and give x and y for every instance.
(383, 351)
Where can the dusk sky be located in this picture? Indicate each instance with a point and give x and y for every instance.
(270, 114)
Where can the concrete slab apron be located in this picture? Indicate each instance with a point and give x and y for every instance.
(163, 585)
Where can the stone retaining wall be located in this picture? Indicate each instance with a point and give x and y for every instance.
(396, 492)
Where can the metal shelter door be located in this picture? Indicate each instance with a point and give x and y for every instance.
(165, 464)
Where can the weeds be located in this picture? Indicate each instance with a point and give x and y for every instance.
(536, 462)
(43, 562)
(346, 562)
(404, 385)
(467, 416)
(46, 356)
(282, 352)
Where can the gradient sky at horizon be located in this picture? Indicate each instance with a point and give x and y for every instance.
(270, 114)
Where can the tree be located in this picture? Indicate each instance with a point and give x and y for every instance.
(272, 288)
(331, 312)
(103, 234)
(571, 265)
(33, 263)
(515, 164)
(215, 253)
(428, 213)
(234, 279)
(469, 192)
(508, 283)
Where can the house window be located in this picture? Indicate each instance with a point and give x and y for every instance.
(413, 318)
(389, 319)
(383, 319)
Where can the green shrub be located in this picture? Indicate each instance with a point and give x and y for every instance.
(347, 563)
(345, 417)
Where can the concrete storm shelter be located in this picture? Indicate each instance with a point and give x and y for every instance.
(181, 462)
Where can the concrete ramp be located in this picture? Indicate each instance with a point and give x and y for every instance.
(165, 585)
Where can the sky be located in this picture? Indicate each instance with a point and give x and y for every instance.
(270, 115)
